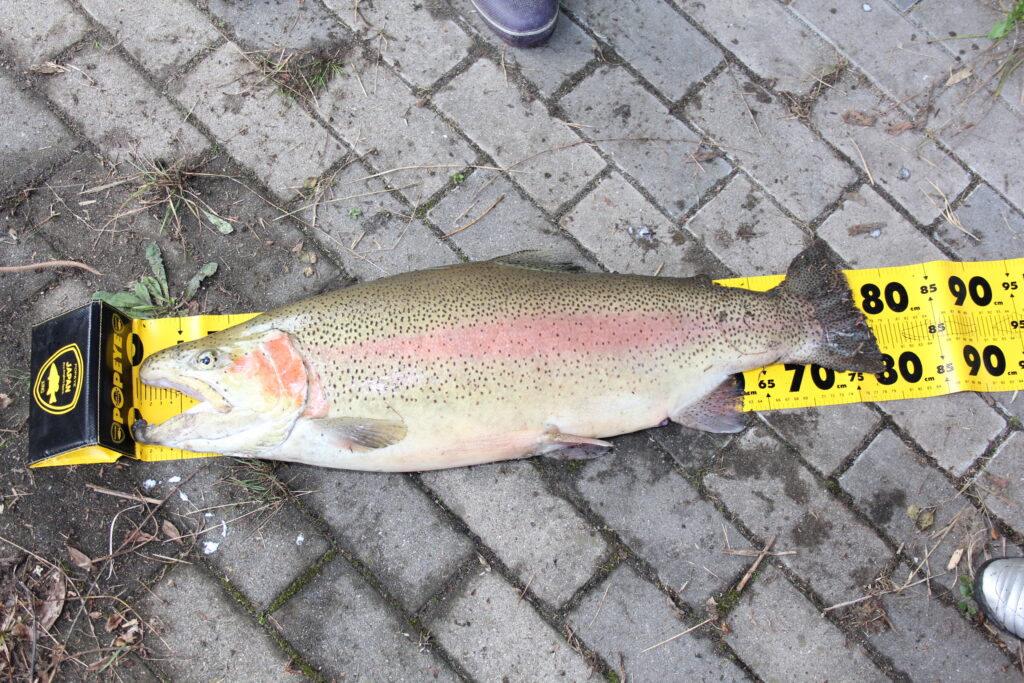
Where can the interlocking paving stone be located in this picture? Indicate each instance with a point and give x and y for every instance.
(909, 166)
(1011, 401)
(539, 536)
(395, 530)
(274, 25)
(347, 632)
(887, 478)
(629, 235)
(966, 120)
(931, 641)
(495, 115)
(496, 635)
(627, 615)
(898, 58)
(761, 482)
(387, 117)
(754, 30)
(997, 228)
(260, 544)
(779, 151)
(954, 429)
(514, 224)
(419, 39)
(742, 227)
(669, 170)
(654, 38)
(824, 436)
(193, 617)
(868, 233)
(781, 636)
(258, 126)
(1003, 482)
(122, 114)
(38, 30)
(370, 230)
(634, 485)
(31, 138)
(547, 66)
(162, 36)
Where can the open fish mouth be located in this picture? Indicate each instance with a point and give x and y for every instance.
(209, 399)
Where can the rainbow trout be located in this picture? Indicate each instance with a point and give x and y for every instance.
(495, 360)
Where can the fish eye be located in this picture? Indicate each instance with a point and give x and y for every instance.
(206, 360)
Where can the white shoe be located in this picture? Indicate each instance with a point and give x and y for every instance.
(999, 592)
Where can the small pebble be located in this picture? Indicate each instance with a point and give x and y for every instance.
(210, 547)
(875, 233)
(174, 480)
(300, 539)
(903, 173)
(866, 7)
(181, 494)
(149, 484)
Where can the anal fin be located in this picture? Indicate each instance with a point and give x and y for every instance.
(717, 412)
(559, 446)
(363, 432)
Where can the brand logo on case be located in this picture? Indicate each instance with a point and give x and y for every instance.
(59, 381)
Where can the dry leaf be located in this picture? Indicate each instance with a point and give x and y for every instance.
(707, 154)
(21, 631)
(855, 117)
(308, 272)
(5, 401)
(923, 518)
(138, 536)
(864, 228)
(959, 76)
(954, 559)
(129, 637)
(170, 531)
(53, 601)
(898, 128)
(114, 621)
(79, 559)
(48, 68)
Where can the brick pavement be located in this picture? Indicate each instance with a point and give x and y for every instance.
(655, 136)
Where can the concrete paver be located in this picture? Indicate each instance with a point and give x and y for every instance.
(627, 616)
(643, 139)
(193, 616)
(655, 39)
(258, 125)
(776, 619)
(163, 36)
(495, 634)
(393, 528)
(36, 31)
(777, 149)
(31, 137)
(124, 116)
(345, 630)
(835, 552)
(541, 538)
(519, 134)
(635, 485)
(514, 570)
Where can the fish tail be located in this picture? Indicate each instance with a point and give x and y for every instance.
(842, 340)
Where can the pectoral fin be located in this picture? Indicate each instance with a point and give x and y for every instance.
(718, 412)
(361, 432)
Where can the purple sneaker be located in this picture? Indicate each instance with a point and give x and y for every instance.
(520, 23)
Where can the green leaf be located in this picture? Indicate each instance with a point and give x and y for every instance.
(193, 285)
(155, 291)
(222, 225)
(156, 264)
(142, 293)
(125, 301)
(1001, 29)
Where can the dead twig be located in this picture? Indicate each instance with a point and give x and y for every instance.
(678, 635)
(875, 595)
(126, 496)
(757, 563)
(475, 220)
(49, 264)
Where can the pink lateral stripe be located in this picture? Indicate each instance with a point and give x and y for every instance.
(525, 337)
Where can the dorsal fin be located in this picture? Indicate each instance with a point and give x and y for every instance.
(540, 259)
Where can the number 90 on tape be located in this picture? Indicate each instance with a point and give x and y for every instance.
(942, 327)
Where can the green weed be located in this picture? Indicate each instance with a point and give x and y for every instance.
(301, 75)
(169, 186)
(150, 297)
(1013, 21)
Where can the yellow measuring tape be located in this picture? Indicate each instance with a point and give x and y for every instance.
(942, 326)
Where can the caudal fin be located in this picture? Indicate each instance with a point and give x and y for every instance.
(847, 342)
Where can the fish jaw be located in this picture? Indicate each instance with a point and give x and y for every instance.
(238, 432)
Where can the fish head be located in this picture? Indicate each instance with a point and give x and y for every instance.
(250, 388)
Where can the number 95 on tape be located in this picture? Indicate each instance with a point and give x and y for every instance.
(942, 327)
